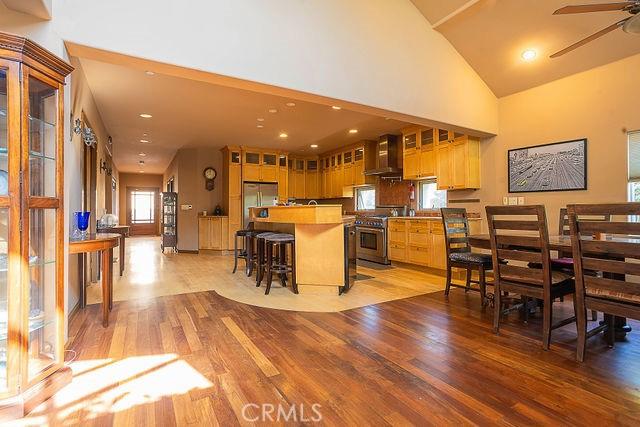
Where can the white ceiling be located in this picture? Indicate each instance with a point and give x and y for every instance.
(492, 34)
(189, 113)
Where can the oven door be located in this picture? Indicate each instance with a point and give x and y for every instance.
(371, 243)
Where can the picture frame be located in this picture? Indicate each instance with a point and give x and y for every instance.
(558, 166)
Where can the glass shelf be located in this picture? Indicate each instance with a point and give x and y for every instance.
(34, 154)
(38, 121)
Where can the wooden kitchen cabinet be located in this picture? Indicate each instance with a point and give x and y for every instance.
(438, 250)
(232, 190)
(213, 232)
(397, 248)
(419, 153)
(269, 167)
(312, 182)
(251, 166)
(283, 178)
(458, 164)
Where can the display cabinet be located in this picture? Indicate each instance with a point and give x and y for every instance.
(169, 221)
(31, 225)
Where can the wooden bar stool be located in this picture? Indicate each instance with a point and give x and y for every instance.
(276, 259)
(260, 260)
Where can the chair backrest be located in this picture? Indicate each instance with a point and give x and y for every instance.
(563, 223)
(609, 247)
(456, 230)
(519, 236)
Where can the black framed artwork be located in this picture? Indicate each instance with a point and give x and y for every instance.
(560, 166)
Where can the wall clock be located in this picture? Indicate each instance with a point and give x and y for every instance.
(209, 177)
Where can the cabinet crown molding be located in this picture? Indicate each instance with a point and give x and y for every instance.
(27, 49)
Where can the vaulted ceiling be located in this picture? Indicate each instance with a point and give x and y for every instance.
(492, 34)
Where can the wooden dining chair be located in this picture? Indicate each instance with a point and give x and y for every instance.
(459, 254)
(605, 254)
(565, 260)
(519, 236)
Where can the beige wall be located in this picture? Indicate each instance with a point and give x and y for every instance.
(186, 168)
(600, 104)
(135, 180)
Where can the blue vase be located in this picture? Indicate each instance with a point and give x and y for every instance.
(82, 221)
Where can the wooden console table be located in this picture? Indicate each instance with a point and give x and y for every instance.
(103, 243)
(123, 231)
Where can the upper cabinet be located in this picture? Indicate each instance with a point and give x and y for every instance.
(260, 165)
(451, 157)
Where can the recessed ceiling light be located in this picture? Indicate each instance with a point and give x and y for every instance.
(290, 104)
(335, 107)
(283, 135)
(140, 171)
(314, 146)
(260, 119)
(141, 154)
(529, 55)
(353, 130)
(144, 141)
(273, 110)
(150, 73)
(145, 134)
(259, 126)
(146, 115)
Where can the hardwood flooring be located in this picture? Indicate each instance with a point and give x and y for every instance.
(201, 359)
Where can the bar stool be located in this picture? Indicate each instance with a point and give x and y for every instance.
(246, 252)
(276, 259)
(260, 259)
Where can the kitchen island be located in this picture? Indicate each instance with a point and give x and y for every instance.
(319, 234)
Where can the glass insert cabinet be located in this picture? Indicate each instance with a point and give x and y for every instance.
(31, 224)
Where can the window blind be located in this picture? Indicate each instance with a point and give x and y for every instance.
(634, 156)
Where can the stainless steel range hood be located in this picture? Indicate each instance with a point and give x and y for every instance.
(388, 155)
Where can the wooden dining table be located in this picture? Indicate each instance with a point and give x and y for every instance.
(104, 244)
(560, 244)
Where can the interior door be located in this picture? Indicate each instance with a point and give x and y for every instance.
(143, 211)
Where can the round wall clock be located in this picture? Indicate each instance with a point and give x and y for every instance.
(209, 177)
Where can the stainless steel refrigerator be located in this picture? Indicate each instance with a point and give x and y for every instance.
(258, 194)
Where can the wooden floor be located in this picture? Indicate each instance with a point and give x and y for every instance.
(201, 359)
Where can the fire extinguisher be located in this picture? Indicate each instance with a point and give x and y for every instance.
(412, 191)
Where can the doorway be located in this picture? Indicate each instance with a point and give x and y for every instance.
(143, 210)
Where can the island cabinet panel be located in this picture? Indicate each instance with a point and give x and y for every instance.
(397, 249)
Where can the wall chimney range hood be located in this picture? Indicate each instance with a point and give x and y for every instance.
(387, 155)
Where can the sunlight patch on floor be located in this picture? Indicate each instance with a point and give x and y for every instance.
(110, 386)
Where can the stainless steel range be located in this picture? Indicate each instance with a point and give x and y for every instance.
(371, 238)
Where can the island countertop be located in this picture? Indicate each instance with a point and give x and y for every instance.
(298, 214)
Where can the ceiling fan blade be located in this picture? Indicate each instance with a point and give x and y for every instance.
(590, 38)
(601, 7)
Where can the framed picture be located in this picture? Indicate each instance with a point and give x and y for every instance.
(561, 166)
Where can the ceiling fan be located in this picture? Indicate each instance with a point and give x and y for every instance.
(629, 25)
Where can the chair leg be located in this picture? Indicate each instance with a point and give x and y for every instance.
(259, 261)
(269, 262)
(581, 324)
(610, 335)
(282, 259)
(483, 287)
(525, 309)
(546, 322)
(248, 250)
(497, 308)
(235, 254)
(594, 315)
(448, 286)
(294, 284)
(468, 284)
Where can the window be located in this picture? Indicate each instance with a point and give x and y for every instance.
(430, 197)
(634, 167)
(365, 198)
(142, 207)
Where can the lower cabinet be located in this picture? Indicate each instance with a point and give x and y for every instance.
(420, 241)
(213, 232)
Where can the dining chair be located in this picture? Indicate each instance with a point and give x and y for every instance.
(606, 255)
(519, 235)
(459, 254)
(565, 260)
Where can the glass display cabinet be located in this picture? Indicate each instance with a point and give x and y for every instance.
(31, 225)
(169, 221)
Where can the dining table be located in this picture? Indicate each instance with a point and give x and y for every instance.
(561, 244)
(104, 244)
